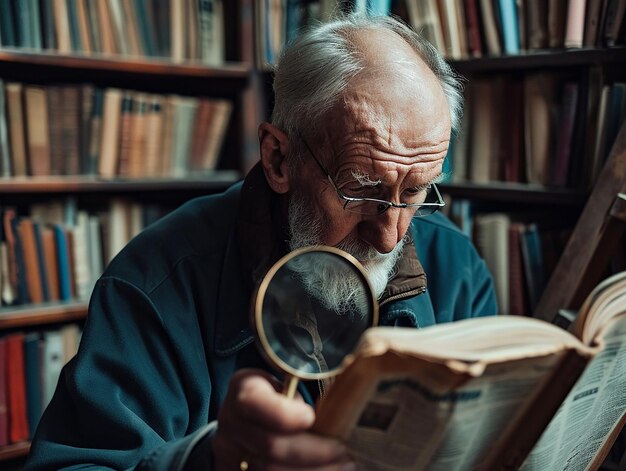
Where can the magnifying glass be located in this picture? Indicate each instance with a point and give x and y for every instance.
(310, 311)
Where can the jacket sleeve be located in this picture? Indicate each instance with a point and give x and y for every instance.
(136, 396)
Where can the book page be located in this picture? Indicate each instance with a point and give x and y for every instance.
(480, 339)
(409, 424)
(605, 301)
(589, 418)
(449, 396)
(420, 415)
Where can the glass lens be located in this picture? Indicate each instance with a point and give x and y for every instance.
(426, 210)
(314, 308)
(366, 207)
(431, 195)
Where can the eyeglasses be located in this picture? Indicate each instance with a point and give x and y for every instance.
(372, 206)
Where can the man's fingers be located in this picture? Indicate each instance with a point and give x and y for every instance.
(259, 425)
(258, 401)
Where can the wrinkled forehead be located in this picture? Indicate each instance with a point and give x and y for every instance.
(395, 96)
(399, 115)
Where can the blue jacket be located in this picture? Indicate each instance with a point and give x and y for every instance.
(168, 324)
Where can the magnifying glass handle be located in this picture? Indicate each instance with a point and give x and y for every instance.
(289, 386)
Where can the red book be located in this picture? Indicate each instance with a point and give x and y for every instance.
(4, 416)
(16, 388)
(472, 20)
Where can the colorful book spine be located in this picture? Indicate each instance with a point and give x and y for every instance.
(510, 26)
(65, 276)
(16, 388)
(32, 375)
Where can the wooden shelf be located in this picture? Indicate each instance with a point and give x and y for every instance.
(158, 75)
(15, 450)
(32, 315)
(515, 193)
(214, 181)
(542, 60)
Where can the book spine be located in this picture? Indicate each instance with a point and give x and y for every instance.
(565, 134)
(6, 169)
(4, 406)
(47, 23)
(32, 374)
(8, 35)
(18, 418)
(575, 27)
(508, 16)
(473, 28)
(17, 135)
(65, 276)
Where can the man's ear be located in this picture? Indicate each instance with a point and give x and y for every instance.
(274, 145)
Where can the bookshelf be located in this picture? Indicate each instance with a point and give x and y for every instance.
(178, 68)
(546, 204)
(35, 316)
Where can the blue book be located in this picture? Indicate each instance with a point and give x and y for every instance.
(145, 26)
(532, 258)
(47, 25)
(35, 24)
(616, 114)
(32, 375)
(22, 12)
(510, 26)
(378, 7)
(63, 256)
(294, 19)
(359, 6)
(72, 17)
(8, 35)
(269, 55)
(22, 290)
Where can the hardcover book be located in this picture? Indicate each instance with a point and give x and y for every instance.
(486, 393)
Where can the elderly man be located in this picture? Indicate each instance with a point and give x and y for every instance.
(167, 375)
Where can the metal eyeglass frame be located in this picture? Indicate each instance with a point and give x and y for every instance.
(383, 205)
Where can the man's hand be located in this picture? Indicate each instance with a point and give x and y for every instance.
(259, 425)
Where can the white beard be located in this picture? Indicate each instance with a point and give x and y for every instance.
(334, 289)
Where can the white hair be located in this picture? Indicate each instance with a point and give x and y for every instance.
(318, 65)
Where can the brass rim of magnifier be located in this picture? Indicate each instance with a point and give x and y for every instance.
(258, 307)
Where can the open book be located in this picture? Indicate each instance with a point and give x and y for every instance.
(486, 393)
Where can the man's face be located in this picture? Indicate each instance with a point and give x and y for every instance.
(382, 142)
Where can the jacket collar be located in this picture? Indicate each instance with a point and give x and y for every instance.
(259, 242)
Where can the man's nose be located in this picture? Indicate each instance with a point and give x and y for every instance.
(383, 232)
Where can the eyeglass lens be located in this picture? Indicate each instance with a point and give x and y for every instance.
(372, 207)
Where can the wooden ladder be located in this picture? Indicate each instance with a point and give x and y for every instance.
(595, 239)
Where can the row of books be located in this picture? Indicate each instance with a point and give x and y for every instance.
(520, 255)
(537, 129)
(277, 22)
(83, 129)
(30, 366)
(57, 252)
(175, 29)
(460, 29)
